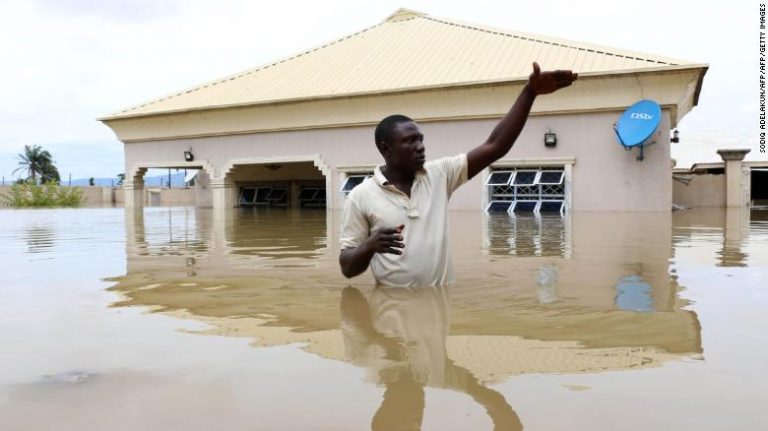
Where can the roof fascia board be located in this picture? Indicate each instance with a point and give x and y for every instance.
(643, 71)
(597, 94)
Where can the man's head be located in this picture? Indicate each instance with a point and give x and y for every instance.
(401, 143)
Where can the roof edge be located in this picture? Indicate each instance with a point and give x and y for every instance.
(661, 69)
(403, 14)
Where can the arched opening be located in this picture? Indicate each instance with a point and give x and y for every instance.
(298, 184)
(167, 184)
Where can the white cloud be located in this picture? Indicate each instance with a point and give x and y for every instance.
(75, 60)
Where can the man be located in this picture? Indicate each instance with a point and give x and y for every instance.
(396, 222)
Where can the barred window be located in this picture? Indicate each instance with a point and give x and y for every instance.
(526, 190)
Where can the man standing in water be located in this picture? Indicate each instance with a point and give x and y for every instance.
(396, 222)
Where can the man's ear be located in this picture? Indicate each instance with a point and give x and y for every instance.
(383, 147)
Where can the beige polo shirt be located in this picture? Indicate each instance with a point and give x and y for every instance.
(377, 204)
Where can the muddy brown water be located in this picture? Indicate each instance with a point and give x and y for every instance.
(184, 318)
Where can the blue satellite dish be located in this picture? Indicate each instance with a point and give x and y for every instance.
(638, 123)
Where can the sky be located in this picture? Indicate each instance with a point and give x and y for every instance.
(67, 62)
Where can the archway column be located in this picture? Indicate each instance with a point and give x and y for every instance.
(134, 191)
(734, 189)
(223, 190)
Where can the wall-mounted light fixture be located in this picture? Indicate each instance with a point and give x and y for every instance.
(188, 156)
(675, 136)
(273, 166)
(550, 138)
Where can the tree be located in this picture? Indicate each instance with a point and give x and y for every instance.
(120, 178)
(37, 161)
(50, 174)
(91, 181)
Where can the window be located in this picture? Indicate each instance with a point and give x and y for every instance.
(523, 207)
(312, 197)
(278, 197)
(264, 196)
(498, 206)
(307, 193)
(499, 178)
(354, 180)
(527, 190)
(246, 195)
(254, 195)
(261, 195)
(525, 178)
(551, 207)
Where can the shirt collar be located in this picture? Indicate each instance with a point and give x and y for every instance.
(382, 181)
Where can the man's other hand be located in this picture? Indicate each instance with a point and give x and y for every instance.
(387, 240)
(549, 82)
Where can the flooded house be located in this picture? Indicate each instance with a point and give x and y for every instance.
(298, 132)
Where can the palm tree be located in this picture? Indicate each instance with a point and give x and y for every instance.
(35, 161)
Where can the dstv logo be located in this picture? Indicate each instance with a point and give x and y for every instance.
(641, 116)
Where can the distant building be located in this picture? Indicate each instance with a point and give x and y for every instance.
(703, 162)
(299, 131)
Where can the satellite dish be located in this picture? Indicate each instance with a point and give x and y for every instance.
(637, 125)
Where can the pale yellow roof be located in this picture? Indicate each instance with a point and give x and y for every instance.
(407, 51)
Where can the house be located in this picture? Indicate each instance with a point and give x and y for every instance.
(299, 132)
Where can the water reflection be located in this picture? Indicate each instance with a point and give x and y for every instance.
(729, 227)
(237, 325)
(526, 236)
(39, 239)
(400, 336)
(596, 292)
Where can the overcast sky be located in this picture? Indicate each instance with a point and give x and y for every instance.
(67, 62)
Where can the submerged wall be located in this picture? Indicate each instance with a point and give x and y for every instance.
(708, 190)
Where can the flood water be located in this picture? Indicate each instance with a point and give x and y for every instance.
(184, 318)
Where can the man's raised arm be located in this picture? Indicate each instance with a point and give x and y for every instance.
(506, 132)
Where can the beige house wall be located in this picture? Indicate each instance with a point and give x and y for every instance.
(605, 177)
(703, 191)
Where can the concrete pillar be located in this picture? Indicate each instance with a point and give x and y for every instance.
(223, 192)
(734, 188)
(134, 192)
(294, 195)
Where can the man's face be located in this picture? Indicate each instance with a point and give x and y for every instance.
(406, 150)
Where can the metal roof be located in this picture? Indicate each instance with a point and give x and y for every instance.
(407, 51)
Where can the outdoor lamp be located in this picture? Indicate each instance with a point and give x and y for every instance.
(550, 139)
(675, 136)
(188, 156)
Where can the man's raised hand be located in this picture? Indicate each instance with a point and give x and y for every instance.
(549, 82)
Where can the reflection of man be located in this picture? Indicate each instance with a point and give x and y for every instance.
(400, 337)
(397, 220)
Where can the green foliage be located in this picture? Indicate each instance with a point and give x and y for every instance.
(36, 161)
(49, 173)
(29, 194)
(120, 178)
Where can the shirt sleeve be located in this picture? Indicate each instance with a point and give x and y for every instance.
(455, 170)
(354, 225)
